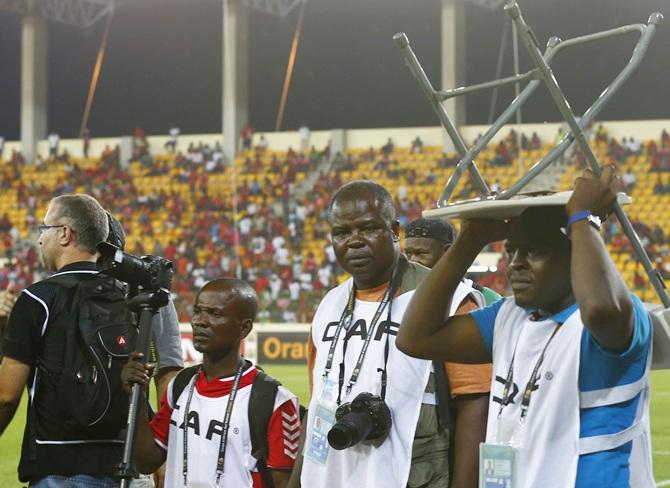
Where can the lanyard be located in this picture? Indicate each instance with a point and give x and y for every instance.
(525, 403)
(345, 323)
(224, 429)
(361, 356)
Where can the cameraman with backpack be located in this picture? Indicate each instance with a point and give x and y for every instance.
(57, 451)
(223, 423)
(166, 339)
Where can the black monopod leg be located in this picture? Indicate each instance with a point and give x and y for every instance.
(125, 470)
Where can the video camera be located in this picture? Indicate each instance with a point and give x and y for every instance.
(151, 273)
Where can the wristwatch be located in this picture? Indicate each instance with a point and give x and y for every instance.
(594, 220)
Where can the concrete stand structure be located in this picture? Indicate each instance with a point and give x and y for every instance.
(33, 84)
(235, 75)
(453, 61)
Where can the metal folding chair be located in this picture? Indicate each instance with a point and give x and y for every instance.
(542, 73)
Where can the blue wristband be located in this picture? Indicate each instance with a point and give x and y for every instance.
(583, 215)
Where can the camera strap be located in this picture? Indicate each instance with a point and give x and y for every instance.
(224, 428)
(345, 322)
(386, 357)
(395, 284)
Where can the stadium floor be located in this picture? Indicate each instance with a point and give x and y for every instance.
(295, 379)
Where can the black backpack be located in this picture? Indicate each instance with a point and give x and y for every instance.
(99, 335)
(261, 406)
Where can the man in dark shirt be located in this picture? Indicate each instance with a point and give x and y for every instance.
(33, 347)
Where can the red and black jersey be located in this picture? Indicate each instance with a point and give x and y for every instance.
(204, 428)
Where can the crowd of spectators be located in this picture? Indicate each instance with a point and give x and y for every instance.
(278, 240)
(270, 233)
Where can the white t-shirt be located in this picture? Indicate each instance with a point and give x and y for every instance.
(304, 134)
(278, 242)
(294, 290)
(324, 274)
(245, 225)
(53, 140)
(282, 256)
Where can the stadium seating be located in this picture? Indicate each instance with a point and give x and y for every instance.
(182, 206)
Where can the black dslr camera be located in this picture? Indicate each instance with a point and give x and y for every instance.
(151, 273)
(367, 417)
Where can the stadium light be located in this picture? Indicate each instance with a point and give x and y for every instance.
(82, 13)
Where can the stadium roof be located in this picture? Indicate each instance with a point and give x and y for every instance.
(85, 13)
(82, 13)
(275, 7)
(492, 4)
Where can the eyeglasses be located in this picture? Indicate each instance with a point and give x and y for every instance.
(42, 228)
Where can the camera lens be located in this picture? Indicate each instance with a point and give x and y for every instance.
(350, 430)
(149, 272)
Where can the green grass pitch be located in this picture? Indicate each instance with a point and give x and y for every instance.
(295, 379)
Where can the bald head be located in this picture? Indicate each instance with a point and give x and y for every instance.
(239, 291)
(223, 315)
(362, 190)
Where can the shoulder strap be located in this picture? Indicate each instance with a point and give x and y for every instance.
(261, 407)
(64, 280)
(444, 414)
(182, 379)
(71, 284)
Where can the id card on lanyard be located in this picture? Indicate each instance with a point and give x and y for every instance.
(497, 461)
(496, 466)
(321, 423)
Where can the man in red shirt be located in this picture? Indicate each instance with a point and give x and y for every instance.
(208, 419)
(247, 134)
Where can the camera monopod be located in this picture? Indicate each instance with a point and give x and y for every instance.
(148, 305)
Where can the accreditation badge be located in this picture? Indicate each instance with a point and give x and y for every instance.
(321, 422)
(497, 466)
(497, 461)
